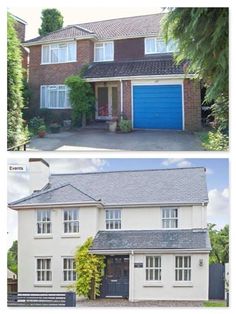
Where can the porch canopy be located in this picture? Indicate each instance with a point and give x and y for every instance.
(146, 240)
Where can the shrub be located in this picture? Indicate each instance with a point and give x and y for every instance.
(217, 141)
(35, 123)
(125, 126)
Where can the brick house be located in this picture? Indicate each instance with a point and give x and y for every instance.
(129, 66)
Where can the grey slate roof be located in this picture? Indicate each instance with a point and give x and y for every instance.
(162, 186)
(195, 239)
(137, 26)
(161, 66)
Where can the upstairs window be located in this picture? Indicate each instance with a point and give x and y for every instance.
(54, 97)
(71, 221)
(113, 219)
(183, 268)
(44, 222)
(59, 53)
(153, 268)
(169, 218)
(104, 52)
(69, 269)
(154, 45)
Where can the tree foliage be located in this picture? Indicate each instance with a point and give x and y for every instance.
(52, 20)
(81, 97)
(219, 243)
(89, 269)
(16, 133)
(12, 257)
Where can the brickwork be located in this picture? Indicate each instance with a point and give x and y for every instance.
(127, 98)
(129, 49)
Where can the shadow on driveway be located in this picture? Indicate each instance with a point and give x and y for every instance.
(99, 140)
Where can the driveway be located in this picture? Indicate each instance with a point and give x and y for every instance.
(126, 303)
(100, 140)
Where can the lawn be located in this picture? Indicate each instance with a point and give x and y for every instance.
(214, 303)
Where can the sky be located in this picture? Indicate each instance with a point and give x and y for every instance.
(73, 15)
(217, 176)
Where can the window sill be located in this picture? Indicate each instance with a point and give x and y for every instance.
(183, 284)
(103, 61)
(153, 284)
(70, 235)
(58, 62)
(46, 236)
(43, 284)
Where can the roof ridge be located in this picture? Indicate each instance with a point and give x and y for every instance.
(119, 171)
(121, 18)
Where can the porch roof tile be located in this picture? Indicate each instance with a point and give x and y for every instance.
(192, 239)
(164, 65)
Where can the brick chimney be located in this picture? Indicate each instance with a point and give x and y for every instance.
(39, 172)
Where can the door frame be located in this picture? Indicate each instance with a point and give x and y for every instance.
(109, 86)
(104, 293)
(158, 82)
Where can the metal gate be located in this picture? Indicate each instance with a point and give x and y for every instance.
(217, 281)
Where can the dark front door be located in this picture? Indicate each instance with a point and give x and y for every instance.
(116, 278)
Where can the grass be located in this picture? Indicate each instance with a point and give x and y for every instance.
(214, 303)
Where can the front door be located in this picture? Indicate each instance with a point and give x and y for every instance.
(116, 278)
(107, 102)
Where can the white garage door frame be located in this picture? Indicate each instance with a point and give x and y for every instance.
(157, 82)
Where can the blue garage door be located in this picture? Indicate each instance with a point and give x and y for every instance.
(157, 107)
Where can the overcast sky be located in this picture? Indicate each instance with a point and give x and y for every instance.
(75, 15)
(216, 170)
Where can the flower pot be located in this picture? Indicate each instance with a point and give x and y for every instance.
(112, 126)
(41, 134)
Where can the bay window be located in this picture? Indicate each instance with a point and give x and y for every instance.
(59, 53)
(54, 97)
(104, 51)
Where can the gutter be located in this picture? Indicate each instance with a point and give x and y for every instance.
(57, 205)
(143, 77)
(144, 251)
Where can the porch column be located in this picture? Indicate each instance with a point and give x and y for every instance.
(121, 97)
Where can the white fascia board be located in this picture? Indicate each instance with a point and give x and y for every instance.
(148, 251)
(154, 204)
(48, 42)
(57, 205)
(143, 77)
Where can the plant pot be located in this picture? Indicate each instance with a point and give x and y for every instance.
(112, 126)
(41, 134)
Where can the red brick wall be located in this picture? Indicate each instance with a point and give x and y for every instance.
(192, 105)
(127, 98)
(129, 49)
(49, 74)
(20, 29)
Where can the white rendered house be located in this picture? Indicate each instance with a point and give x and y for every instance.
(151, 225)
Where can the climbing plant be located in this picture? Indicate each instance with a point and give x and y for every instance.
(89, 269)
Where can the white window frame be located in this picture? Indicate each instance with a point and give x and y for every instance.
(183, 269)
(58, 89)
(103, 48)
(170, 218)
(168, 50)
(150, 271)
(111, 220)
(44, 223)
(55, 46)
(71, 222)
(71, 271)
(43, 270)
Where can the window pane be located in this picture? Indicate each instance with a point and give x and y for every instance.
(147, 277)
(72, 51)
(54, 55)
(45, 54)
(161, 46)
(151, 274)
(62, 53)
(98, 54)
(62, 99)
(52, 98)
(150, 45)
(108, 51)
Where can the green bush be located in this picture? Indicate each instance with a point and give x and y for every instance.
(35, 123)
(125, 126)
(217, 141)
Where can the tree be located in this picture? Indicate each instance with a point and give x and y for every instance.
(202, 35)
(52, 20)
(12, 257)
(89, 269)
(81, 97)
(219, 243)
(16, 133)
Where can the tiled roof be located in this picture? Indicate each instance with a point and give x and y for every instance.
(162, 186)
(195, 239)
(161, 66)
(120, 28)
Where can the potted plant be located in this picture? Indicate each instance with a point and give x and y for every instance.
(42, 130)
(112, 124)
(55, 127)
(125, 126)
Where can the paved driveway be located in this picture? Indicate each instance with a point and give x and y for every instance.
(126, 303)
(97, 139)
